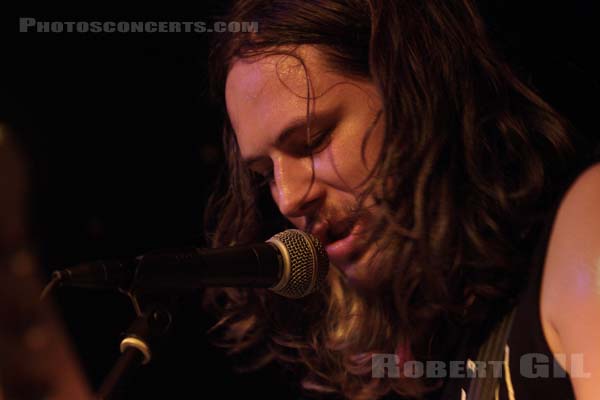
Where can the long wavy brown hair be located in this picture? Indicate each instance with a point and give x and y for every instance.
(477, 160)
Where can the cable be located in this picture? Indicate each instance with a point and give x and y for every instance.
(50, 286)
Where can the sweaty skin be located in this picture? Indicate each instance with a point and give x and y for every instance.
(267, 105)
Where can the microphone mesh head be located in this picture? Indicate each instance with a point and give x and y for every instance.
(308, 263)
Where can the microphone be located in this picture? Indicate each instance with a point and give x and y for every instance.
(292, 263)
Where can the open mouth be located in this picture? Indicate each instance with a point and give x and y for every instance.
(344, 243)
(340, 230)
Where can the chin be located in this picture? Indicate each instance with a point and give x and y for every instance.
(360, 275)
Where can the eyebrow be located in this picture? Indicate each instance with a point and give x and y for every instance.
(296, 124)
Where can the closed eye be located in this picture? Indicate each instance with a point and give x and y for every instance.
(319, 142)
(262, 175)
(262, 178)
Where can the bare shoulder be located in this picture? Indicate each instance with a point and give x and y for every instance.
(570, 295)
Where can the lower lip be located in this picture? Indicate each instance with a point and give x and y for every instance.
(341, 252)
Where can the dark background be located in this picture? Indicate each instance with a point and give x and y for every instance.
(124, 145)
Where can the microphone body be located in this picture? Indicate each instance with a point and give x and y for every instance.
(292, 263)
(257, 265)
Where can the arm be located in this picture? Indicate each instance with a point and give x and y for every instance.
(570, 296)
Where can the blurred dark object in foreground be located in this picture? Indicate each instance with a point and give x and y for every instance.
(36, 360)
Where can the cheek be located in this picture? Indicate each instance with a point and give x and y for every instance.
(345, 165)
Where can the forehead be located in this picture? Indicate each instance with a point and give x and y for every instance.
(256, 77)
(264, 94)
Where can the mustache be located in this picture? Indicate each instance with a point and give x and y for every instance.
(345, 214)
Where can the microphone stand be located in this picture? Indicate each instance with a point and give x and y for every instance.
(136, 346)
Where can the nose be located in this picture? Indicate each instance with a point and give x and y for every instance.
(297, 189)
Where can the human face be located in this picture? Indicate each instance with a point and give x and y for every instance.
(314, 186)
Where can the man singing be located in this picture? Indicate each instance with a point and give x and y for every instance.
(460, 219)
